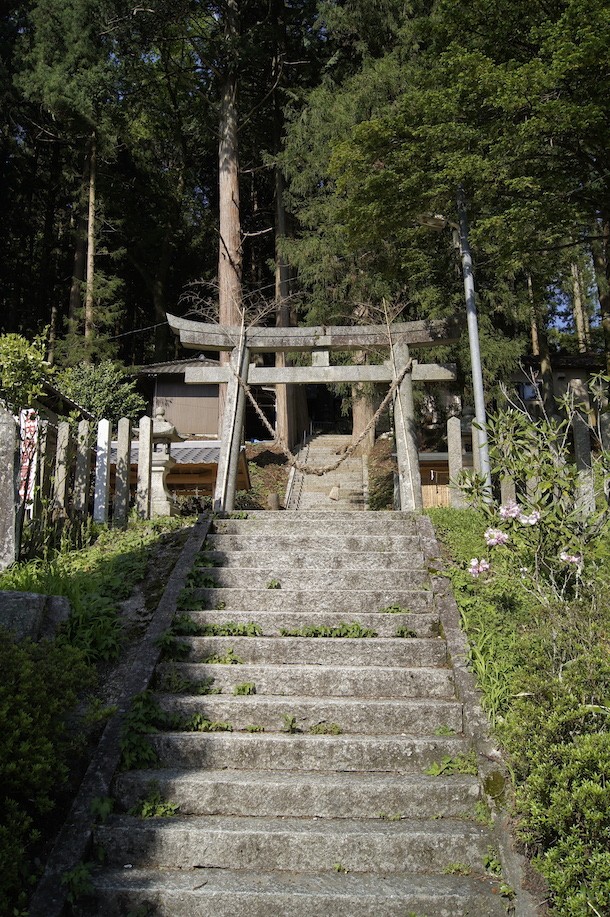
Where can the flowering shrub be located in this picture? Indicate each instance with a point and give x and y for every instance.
(543, 535)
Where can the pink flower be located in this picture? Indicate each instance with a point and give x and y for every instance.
(570, 558)
(476, 566)
(494, 537)
(510, 510)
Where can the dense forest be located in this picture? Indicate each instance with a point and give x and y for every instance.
(284, 155)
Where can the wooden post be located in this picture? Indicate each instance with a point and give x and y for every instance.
(102, 473)
(82, 472)
(406, 442)
(144, 467)
(120, 506)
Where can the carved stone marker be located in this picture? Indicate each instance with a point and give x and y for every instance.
(123, 466)
(144, 467)
(456, 463)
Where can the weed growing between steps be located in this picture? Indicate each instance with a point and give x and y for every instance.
(354, 630)
(543, 666)
(227, 658)
(326, 729)
(460, 764)
(394, 610)
(184, 625)
(406, 632)
(172, 681)
(154, 805)
(244, 689)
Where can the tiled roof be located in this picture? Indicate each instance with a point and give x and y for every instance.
(189, 453)
(173, 367)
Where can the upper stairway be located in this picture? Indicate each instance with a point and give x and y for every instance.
(344, 489)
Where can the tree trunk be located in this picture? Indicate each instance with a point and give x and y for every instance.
(90, 276)
(578, 308)
(547, 393)
(80, 250)
(601, 263)
(230, 253)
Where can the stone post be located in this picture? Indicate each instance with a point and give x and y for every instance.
(508, 491)
(407, 455)
(47, 445)
(230, 443)
(101, 495)
(8, 445)
(120, 507)
(585, 500)
(476, 454)
(454, 452)
(62, 467)
(144, 467)
(82, 473)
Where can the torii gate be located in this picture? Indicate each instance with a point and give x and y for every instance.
(242, 342)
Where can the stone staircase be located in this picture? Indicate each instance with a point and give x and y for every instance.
(318, 802)
(345, 489)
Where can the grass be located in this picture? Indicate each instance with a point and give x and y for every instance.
(353, 630)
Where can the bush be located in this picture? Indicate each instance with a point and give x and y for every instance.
(103, 390)
(40, 686)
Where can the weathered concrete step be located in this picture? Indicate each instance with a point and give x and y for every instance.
(242, 893)
(364, 716)
(345, 602)
(402, 754)
(308, 845)
(373, 523)
(352, 538)
(304, 795)
(315, 680)
(280, 558)
(395, 651)
(316, 580)
(271, 622)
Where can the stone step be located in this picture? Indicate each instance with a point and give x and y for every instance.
(315, 580)
(318, 524)
(364, 716)
(271, 794)
(368, 651)
(317, 680)
(242, 893)
(309, 845)
(340, 601)
(352, 539)
(276, 558)
(399, 754)
(271, 622)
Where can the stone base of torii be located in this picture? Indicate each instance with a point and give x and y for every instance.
(319, 341)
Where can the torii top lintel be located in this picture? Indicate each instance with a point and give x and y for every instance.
(201, 336)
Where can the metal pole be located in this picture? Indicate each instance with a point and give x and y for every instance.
(473, 339)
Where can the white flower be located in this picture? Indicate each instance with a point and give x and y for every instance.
(532, 519)
(510, 510)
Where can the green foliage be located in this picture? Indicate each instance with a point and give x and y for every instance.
(405, 631)
(77, 882)
(457, 869)
(394, 610)
(153, 805)
(173, 681)
(354, 630)
(101, 808)
(274, 584)
(255, 727)
(101, 388)
(545, 675)
(200, 723)
(231, 629)
(247, 687)
(444, 731)
(460, 764)
(39, 689)
(325, 729)
(141, 721)
(290, 724)
(22, 371)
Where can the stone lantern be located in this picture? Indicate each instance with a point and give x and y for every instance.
(163, 435)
